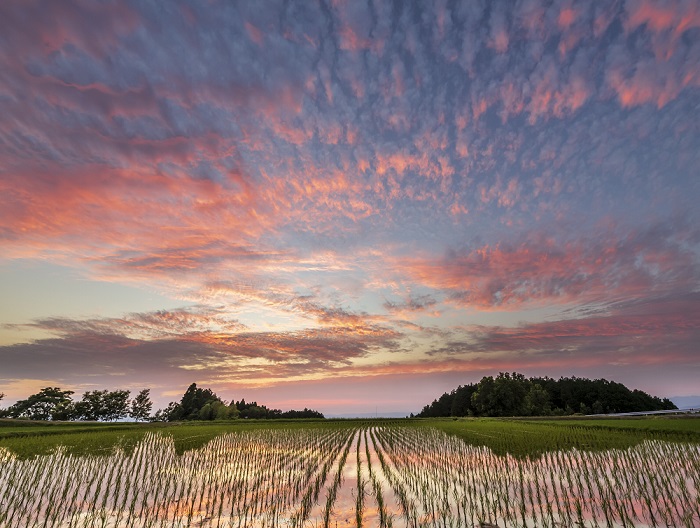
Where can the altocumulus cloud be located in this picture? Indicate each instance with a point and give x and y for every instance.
(330, 185)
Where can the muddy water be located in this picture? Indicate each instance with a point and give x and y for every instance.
(379, 476)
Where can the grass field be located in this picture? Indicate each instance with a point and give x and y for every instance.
(571, 472)
(83, 438)
(517, 437)
(533, 437)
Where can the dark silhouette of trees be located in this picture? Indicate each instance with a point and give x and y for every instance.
(163, 415)
(117, 405)
(53, 403)
(141, 405)
(462, 400)
(91, 406)
(204, 404)
(102, 405)
(506, 395)
(50, 403)
(196, 404)
(515, 395)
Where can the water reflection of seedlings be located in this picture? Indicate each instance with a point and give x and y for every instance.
(360, 493)
(383, 475)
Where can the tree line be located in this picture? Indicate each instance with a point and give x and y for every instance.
(204, 404)
(515, 395)
(54, 403)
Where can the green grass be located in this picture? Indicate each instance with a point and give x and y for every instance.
(689, 425)
(519, 437)
(28, 439)
(533, 437)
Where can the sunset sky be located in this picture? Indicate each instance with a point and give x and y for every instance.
(345, 205)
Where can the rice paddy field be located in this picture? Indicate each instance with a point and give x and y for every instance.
(401, 473)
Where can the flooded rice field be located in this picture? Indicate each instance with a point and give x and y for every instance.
(366, 476)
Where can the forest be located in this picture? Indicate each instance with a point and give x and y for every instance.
(515, 395)
(54, 403)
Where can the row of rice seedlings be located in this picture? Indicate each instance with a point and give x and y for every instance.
(385, 518)
(342, 502)
(242, 479)
(332, 491)
(407, 504)
(360, 493)
(275, 477)
(453, 483)
(310, 500)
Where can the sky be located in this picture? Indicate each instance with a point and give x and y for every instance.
(345, 205)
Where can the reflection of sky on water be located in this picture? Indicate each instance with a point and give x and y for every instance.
(424, 476)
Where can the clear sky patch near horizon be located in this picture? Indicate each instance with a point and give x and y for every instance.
(350, 206)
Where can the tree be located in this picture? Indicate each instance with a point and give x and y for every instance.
(50, 403)
(306, 413)
(141, 405)
(503, 396)
(515, 395)
(255, 411)
(164, 415)
(224, 412)
(537, 402)
(233, 412)
(116, 405)
(92, 406)
(103, 405)
(3, 412)
(462, 401)
(192, 403)
(206, 412)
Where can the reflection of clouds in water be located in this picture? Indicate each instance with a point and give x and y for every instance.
(418, 476)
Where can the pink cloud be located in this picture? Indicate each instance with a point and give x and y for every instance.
(510, 277)
(255, 34)
(499, 37)
(655, 332)
(675, 15)
(567, 16)
(56, 25)
(638, 80)
(206, 341)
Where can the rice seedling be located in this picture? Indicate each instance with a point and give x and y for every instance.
(376, 474)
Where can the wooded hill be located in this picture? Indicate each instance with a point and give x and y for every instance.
(515, 395)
